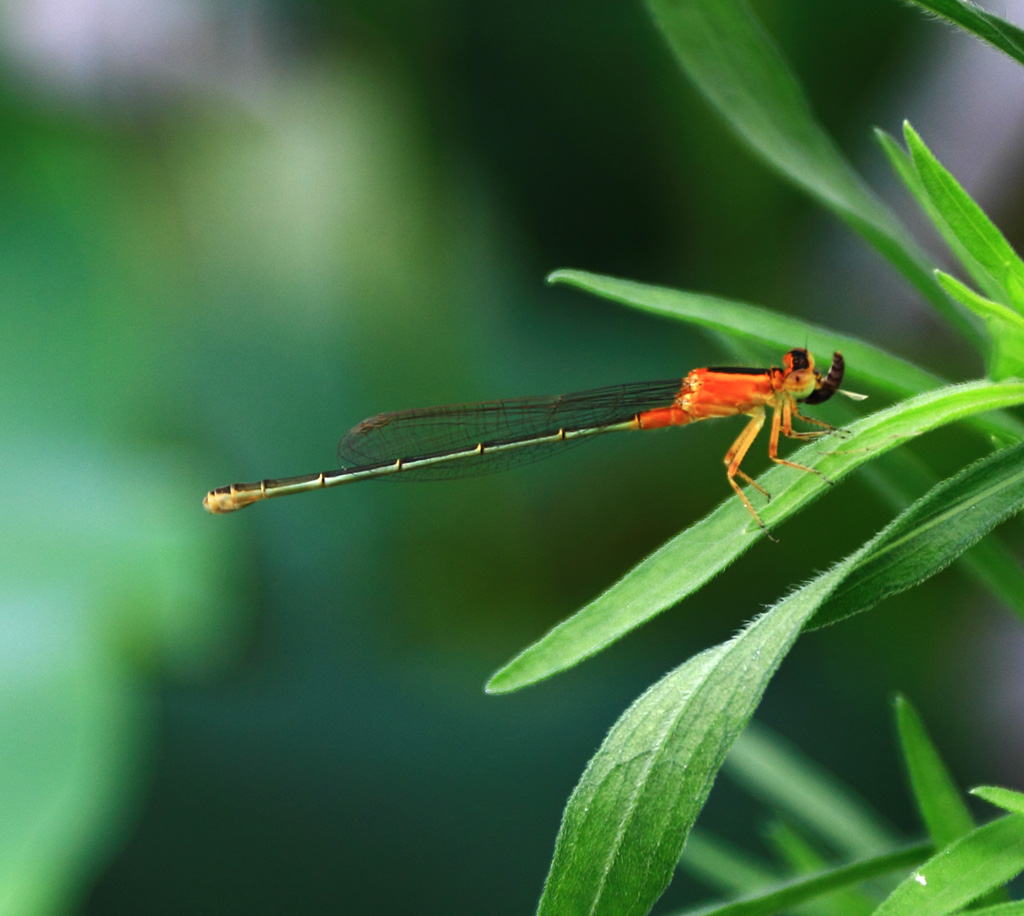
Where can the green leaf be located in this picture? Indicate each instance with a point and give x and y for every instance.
(693, 557)
(942, 807)
(775, 772)
(950, 518)
(783, 897)
(968, 223)
(626, 822)
(734, 64)
(1002, 318)
(984, 859)
(904, 167)
(1005, 327)
(989, 561)
(755, 324)
(997, 32)
(1004, 798)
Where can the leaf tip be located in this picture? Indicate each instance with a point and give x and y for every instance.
(912, 137)
(500, 683)
(905, 713)
(985, 793)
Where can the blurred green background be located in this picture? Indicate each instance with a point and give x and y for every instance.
(230, 231)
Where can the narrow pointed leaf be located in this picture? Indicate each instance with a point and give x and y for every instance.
(626, 822)
(904, 167)
(732, 61)
(953, 516)
(1001, 318)
(755, 324)
(1004, 798)
(1005, 327)
(984, 859)
(942, 807)
(997, 32)
(693, 557)
(968, 222)
(990, 562)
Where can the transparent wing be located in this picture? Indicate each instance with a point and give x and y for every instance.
(439, 431)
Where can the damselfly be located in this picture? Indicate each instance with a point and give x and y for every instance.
(465, 439)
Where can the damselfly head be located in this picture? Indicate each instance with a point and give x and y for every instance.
(800, 378)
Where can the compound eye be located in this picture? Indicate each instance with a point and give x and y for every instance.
(798, 359)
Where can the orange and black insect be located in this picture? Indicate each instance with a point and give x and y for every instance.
(465, 439)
